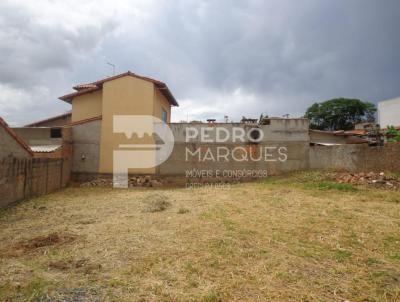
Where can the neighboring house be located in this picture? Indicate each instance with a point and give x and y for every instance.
(33, 142)
(45, 137)
(94, 106)
(55, 121)
(43, 141)
(12, 144)
(389, 113)
(327, 138)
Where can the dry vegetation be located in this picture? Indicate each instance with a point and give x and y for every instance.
(284, 239)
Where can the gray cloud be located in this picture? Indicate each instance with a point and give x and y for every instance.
(30, 45)
(218, 57)
(37, 52)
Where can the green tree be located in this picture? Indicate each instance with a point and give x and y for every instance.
(393, 134)
(340, 114)
(262, 118)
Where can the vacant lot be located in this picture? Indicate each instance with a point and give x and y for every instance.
(297, 238)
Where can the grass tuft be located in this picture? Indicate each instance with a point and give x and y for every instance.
(156, 203)
(183, 211)
(331, 186)
(342, 255)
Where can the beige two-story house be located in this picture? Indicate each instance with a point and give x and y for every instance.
(94, 106)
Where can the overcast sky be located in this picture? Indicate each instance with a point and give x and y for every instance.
(235, 58)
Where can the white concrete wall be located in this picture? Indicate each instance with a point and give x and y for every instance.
(279, 130)
(291, 134)
(389, 113)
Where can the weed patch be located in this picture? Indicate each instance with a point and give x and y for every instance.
(183, 211)
(331, 186)
(341, 255)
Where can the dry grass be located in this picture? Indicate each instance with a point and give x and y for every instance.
(284, 239)
(156, 203)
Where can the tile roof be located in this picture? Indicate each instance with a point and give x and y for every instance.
(84, 86)
(68, 97)
(341, 132)
(45, 148)
(325, 144)
(357, 132)
(98, 85)
(337, 132)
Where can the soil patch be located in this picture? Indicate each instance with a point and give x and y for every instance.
(43, 241)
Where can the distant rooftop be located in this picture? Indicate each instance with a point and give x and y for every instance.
(98, 85)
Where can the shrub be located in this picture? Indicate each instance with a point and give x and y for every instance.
(393, 134)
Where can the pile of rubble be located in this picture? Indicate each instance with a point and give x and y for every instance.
(371, 178)
(137, 181)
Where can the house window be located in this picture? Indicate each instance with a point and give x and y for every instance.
(164, 115)
(55, 133)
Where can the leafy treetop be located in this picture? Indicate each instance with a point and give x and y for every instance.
(340, 114)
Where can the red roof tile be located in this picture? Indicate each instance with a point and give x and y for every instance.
(84, 86)
(68, 97)
(97, 85)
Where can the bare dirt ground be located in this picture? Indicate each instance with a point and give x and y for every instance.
(297, 238)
